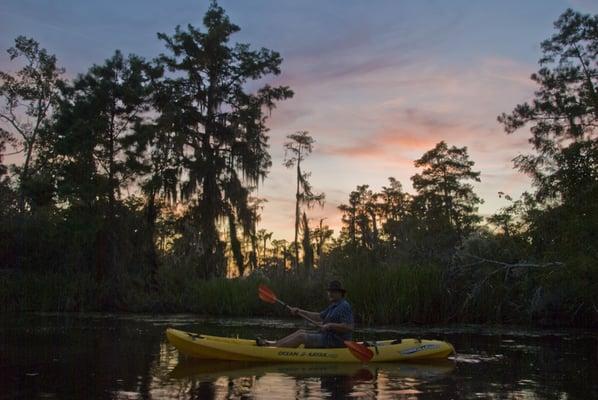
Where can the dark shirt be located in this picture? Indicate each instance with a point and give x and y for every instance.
(337, 313)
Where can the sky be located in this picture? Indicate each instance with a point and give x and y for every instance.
(377, 83)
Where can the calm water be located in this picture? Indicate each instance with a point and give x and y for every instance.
(99, 356)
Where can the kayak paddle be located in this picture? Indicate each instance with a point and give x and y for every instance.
(360, 351)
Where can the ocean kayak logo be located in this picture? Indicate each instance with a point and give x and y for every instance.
(419, 348)
(307, 354)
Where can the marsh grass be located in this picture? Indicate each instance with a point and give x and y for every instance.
(381, 293)
(385, 295)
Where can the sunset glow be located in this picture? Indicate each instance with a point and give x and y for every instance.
(375, 84)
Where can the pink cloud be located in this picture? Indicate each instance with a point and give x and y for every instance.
(372, 117)
(360, 149)
(401, 140)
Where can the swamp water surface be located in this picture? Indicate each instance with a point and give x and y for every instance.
(106, 356)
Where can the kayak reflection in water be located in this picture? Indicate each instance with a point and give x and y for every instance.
(336, 323)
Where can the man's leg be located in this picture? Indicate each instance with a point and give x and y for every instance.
(293, 340)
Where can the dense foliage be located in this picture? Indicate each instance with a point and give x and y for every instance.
(135, 191)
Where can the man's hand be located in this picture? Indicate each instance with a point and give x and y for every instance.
(327, 327)
(294, 310)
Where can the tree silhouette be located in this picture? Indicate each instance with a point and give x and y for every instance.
(94, 143)
(223, 125)
(360, 217)
(443, 194)
(563, 120)
(158, 156)
(29, 97)
(6, 193)
(395, 207)
(322, 235)
(297, 148)
(308, 250)
(262, 237)
(281, 249)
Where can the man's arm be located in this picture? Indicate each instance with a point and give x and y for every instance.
(340, 328)
(309, 314)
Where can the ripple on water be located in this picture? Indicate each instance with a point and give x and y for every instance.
(524, 348)
(477, 358)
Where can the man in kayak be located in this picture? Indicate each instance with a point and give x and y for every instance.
(336, 323)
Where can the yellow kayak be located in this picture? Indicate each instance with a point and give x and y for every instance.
(221, 348)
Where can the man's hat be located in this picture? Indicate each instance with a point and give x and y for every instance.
(335, 286)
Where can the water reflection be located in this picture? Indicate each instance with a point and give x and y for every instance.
(98, 356)
(221, 379)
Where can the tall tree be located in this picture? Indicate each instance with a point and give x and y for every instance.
(158, 160)
(308, 250)
(5, 189)
(256, 206)
(349, 218)
(507, 219)
(563, 120)
(28, 98)
(361, 217)
(564, 113)
(223, 124)
(297, 148)
(93, 141)
(322, 235)
(281, 248)
(445, 198)
(394, 206)
(262, 237)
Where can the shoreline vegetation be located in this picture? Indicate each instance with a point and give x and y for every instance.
(136, 192)
(382, 294)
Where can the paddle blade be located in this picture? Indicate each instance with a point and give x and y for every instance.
(361, 352)
(265, 294)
